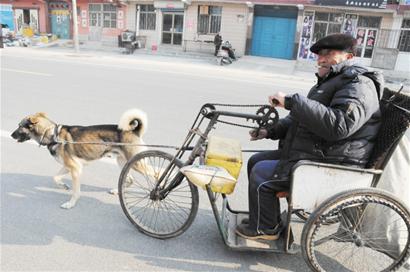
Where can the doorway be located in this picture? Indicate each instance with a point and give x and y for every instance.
(26, 18)
(172, 28)
(95, 14)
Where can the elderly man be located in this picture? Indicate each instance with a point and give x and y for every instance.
(336, 123)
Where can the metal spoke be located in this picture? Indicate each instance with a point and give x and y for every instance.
(355, 243)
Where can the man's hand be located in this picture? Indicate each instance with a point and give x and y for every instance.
(277, 100)
(257, 135)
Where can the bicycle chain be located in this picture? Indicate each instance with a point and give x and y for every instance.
(238, 106)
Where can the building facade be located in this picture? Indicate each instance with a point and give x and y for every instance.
(381, 31)
(98, 20)
(30, 16)
(283, 29)
(276, 28)
(101, 20)
(189, 25)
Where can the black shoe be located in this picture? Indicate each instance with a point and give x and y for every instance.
(268, 234)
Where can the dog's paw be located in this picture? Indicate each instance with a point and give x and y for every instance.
(67, 205)
(113, 191)
(63, 186)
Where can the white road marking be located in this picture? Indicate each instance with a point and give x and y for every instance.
(6, 134)
(25, 72)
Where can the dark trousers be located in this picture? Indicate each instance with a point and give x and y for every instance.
(264, 208)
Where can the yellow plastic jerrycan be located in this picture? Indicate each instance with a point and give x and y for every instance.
(225, 153)
(223, 159)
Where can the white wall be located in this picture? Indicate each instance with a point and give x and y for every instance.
(403, 59)
(233, 28)
(152, 36)
(403, 62)
(131, 15)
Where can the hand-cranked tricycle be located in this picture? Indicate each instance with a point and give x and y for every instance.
(351, 226)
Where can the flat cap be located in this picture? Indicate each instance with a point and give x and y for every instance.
(343, 42)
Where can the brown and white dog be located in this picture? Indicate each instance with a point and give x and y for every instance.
(60, 139)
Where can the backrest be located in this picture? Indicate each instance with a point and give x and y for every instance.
(395, 108)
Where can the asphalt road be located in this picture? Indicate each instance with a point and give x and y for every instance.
(37, 235)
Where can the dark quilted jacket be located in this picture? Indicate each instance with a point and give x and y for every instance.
(336, 123)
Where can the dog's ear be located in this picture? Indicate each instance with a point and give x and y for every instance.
(34, 119)
(41, 114)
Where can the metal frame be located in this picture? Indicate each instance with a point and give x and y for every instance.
(284, 244)
(208, 111)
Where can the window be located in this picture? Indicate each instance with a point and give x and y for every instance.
(209, 19)
(94, 11)
(326, 24)
(147, 17)
(109, 16)
(102, 15)
(368, 21)
(404, 40)
(366, 36)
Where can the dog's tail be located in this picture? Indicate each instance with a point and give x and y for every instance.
(134, 120)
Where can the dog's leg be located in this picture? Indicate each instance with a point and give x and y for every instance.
(121, 161)
(57, 178)
(75, 175)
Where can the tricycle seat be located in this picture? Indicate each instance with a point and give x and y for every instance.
(325, 180)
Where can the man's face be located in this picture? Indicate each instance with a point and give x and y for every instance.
(328, 57)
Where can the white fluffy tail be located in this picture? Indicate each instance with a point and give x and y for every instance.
(134, 120)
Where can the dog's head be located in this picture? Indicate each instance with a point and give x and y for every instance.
(32, 127)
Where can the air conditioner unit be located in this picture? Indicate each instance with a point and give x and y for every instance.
(128, 36)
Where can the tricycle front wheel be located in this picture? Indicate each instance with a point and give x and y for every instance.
(159, 216)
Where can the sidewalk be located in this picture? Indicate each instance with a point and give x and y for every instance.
(299, 70)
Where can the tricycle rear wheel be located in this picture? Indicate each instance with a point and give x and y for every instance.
(346, 233)
(159, 217)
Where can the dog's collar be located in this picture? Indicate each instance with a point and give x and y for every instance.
(57, 130)
(54, 139)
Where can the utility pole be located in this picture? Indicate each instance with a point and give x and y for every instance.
(75, 27)
(1, 36)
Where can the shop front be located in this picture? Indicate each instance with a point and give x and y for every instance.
(273, 33)
(157, 23)
(101, 21)
(172, 27)
(60, 19)
(363, 24)
(171, 17)
(30, 17)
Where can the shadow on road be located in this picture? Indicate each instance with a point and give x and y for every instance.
(31, 216)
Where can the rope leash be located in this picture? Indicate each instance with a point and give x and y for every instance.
(58, 127)
(117, 144)
(146, 145)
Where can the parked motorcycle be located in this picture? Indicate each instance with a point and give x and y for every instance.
(226, 54)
